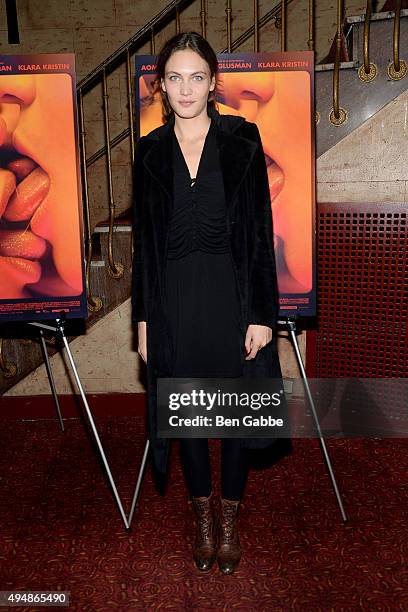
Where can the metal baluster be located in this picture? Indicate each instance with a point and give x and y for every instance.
(283, 26)
(310, 42)
(398, 67)
(337, 115)
(367, 71)
(115, 269)
(94, 302)
(130, 106)
(256, 26)
(177, 19)
(228, 12)
(203, 18)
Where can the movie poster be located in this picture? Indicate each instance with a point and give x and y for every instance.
(275, 91)
(41, 232)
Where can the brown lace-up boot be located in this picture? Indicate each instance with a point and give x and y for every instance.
(229, 549)
(205, 545)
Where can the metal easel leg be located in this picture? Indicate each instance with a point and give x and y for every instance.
(91, 421)
(292, 330)
(139, 482)
(51, 378)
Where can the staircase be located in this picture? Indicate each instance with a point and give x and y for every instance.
(360, 99)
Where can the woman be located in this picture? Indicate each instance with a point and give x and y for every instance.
(204, 282)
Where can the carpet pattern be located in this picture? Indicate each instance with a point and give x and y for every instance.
(60, 529)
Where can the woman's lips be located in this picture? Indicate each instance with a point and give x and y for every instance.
(28, 196)
(19, 271)
(21, 167)
(7, 186)
(25, 244)
(3, 131)
(23, 187)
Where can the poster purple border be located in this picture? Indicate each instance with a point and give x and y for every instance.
(298, 303)
(50, 306)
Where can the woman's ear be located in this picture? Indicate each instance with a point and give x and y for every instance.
(162, 85)
(212, 86)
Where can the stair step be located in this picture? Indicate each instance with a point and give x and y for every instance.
(117, 227)
(374, 17)
(343, 66)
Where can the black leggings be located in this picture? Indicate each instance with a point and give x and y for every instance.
(195, 459)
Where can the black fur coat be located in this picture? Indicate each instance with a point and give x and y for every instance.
(249, 225)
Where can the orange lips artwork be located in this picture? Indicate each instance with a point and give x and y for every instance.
(41, 241)
(23, 186)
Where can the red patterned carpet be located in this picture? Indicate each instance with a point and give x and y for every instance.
(61, 530)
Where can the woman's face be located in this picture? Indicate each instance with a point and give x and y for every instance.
(40, 246)
(187, 82)
(279, 103)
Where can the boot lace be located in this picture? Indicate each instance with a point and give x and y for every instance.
(229, 514)
(204, 519)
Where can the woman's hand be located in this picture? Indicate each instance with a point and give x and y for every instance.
(257, 337)
(142, 341)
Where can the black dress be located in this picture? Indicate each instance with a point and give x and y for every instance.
(202, 296)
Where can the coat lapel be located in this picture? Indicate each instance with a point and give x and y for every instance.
(159, 159)
(236, 153)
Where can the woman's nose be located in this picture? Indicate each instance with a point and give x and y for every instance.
(19, 88)
(255, 86)
(185, 88)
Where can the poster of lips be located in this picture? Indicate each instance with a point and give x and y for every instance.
(275, 91)
(41, 230)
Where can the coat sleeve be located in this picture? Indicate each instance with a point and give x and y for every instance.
(137, 293)
(263, 285)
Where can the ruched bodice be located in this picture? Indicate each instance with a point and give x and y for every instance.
(198, 219)
(201, 292)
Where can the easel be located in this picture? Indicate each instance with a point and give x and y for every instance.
(58, 330)
(290, 325)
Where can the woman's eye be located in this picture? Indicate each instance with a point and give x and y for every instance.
(198, 77)
(173, 77)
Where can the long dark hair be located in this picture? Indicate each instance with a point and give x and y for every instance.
(179, 42)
